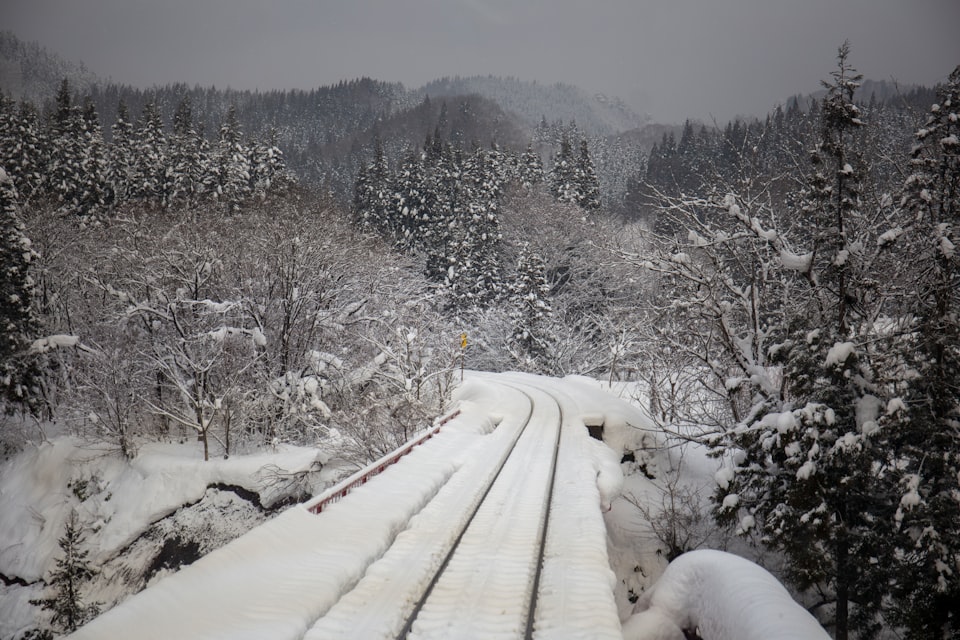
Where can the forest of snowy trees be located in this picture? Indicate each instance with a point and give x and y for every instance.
(788, 286)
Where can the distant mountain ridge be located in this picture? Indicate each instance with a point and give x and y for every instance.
(594, 114)
(30, 72)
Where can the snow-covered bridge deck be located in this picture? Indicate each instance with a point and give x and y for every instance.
(492, 528)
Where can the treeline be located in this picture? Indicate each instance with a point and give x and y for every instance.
(63, 158)
(775, 149)
(442, 203)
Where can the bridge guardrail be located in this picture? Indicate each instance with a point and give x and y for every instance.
(341, 489)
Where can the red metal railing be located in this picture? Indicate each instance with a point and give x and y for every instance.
(340, 490)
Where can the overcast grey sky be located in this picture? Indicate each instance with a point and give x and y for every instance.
(671, 58)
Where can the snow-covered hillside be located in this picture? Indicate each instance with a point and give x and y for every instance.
(594, 114)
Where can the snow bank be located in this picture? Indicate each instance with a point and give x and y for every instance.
(277, 579)
(33, 491)
(116, 499)
(625, 427)
(725, 597)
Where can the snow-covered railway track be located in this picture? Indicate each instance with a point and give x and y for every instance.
(479, 539)
(495, 565)
(492, 529)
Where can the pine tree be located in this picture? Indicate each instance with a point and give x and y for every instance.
(563, 176)
(184, 176)
(18, 323)
(268, 170)
(530, 307)
(372, 194)
(810, 474)
(531, 168)
(927, 428)
(414, 206)
(67, 153)
(21, 147)
(121, 172)
(233, 165)
(588, 185)
(72, 572)
(94, 195)
(150, 164)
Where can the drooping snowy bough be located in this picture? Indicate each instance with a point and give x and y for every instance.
(723, 596)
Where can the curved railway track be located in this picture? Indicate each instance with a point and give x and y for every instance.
(484, 532)
(524, 609)
(492, 549)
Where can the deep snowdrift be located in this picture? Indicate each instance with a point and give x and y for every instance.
(724, 597)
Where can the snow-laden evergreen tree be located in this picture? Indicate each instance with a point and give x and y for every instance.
(412, 216)
(268, 170)
(184, 173)
(72, 572)
(573, 177)
(809, 467)
(121, 171)
(530, 308)
(530, 170)
(588, 185)
(22, 147)
(67, 152)
(18, 322)
(474, 272)
(926, 420)
(232, 164)
(563, 176)
(95, 194)
(150, 180)
(373, 193)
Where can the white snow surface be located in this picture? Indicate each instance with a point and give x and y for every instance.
(839, 353)
(357, 568)
(725, 597)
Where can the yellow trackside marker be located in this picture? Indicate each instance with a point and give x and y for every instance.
(463, 341)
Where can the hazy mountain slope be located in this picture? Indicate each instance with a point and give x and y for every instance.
(28, 71)
(594, 114)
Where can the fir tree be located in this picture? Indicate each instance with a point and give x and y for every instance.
(588, 185)
(94, 194)
(184, 176)
(372, 195)
(18, 323)
(67, 153)
(72, 572)
(21, 147)
(810, 474)
(531, 168)
(233, 165)
(411, 204)
(563, 176)
(150, 164)
(268, 170)
(927, 427)
(121, 172)
(530, 307)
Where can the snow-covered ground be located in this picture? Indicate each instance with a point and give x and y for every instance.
(358, 568)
